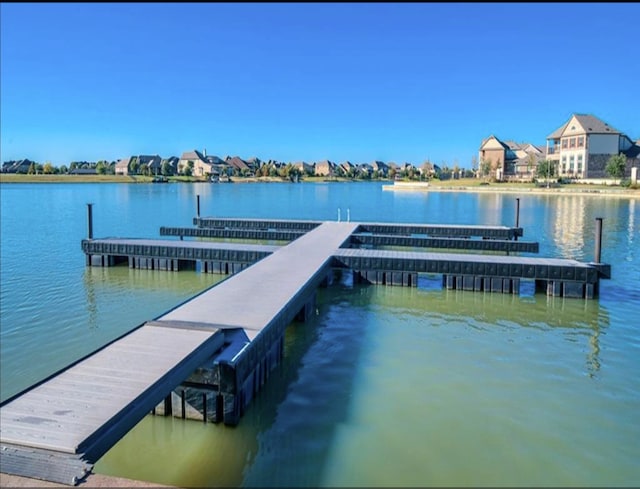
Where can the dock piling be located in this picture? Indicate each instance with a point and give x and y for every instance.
(198, 205)
(90, 220)
(517, 215)
(598, 250)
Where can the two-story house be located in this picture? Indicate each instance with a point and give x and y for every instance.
(582, 146)
(197, 161)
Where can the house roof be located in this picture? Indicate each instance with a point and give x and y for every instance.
(633, 151)
(193, 155)
(237, 162)
(590, 124)
(485, 141)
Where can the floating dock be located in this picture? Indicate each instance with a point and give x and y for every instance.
(57, 429)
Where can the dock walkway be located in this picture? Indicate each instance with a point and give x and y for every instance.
(58, 428)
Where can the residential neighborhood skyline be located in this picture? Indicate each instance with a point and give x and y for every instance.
(579, 149)
(307, 82)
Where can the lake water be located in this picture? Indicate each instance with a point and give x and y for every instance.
(384, 386)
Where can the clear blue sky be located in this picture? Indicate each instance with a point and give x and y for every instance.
(386, 81)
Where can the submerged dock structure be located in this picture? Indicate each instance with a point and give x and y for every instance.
(226, 340)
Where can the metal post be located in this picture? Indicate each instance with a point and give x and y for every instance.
(183, 403)
(598, 239)
(348, 215)
(198, 205)
(338, 214)
(204, 407)
(90, 220)
(517, 217)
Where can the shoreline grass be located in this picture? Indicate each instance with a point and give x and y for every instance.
(461, 185)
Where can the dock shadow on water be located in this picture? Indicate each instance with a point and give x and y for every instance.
(389, 386)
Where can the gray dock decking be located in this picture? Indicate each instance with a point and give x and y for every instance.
(85, 409)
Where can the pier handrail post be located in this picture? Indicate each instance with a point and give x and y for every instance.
(338, 214)
(198, 205)
(598, 250)
(90, 220)
(348, 215)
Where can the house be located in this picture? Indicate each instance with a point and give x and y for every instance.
(527, 158)
(172, 162)
(582, 146)
(304, 167)
(197, 161)
(19, 166)
(253, 163)
(364, 170)
(498, 156)
(83, 171)
(122, 166)
(509, 159)
(348, 168)
(238, 165)
(325, 168)
(153, 164)
(381, 167)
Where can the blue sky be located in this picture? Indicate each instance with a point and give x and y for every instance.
(358, 82)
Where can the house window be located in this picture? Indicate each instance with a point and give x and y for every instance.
(579, 163)
(571, 161)
(564, 144)
(572, 142)
(581, 142)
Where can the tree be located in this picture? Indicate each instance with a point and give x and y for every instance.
(616, 166)
(166, 169)
(32, 169)
(531, 159)
(48, 168)
(485, 167)
(101, 168)
(546, 169)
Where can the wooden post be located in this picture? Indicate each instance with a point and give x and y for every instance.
(198, 205)
(517, 215)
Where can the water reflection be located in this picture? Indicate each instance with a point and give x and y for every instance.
(569, 226)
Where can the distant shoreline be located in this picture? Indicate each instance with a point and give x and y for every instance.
(468, 185)
(498, 188)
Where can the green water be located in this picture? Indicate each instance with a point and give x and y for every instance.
(384, 386)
